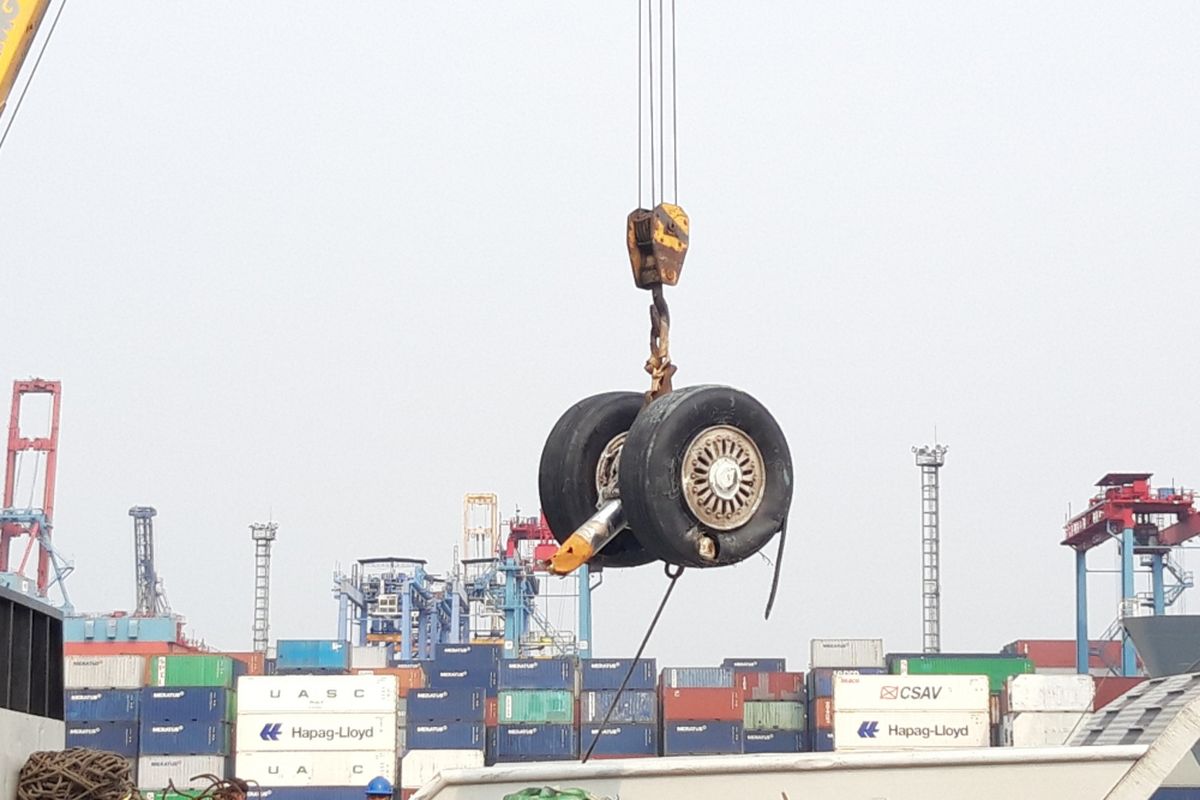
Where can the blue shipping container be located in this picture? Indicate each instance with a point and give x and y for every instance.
(1175, 793)
(620, 740)
(697, 678)
(633, 707)
(821, 740)
(820, 680)
(307, 793)
(176, 703)
(607, 673)
(446, 705)
(117, 737)
(113, 705)
(536, 743)
(185, 738)
(483, 656)
(537, 673)
(311, 654)
(445, 736)
(755, 664)
(685, 738)
(463, 677)
(774, 742)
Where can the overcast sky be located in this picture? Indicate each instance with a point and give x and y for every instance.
(341, 268)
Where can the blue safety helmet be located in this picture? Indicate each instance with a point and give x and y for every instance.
(379, 787)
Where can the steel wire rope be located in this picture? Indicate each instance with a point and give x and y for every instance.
(33, 71)
(662, 119)
(674, 576)
(674, 112)
(650, 60)
(639, 103)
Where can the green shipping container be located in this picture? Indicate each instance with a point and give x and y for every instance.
(202, 670)
(536, 705)
(997, 670)
(780, 715)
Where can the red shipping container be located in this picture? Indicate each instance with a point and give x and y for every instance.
(491, 712)
(1060, 653)
(126, 649)
(719, 705)
(770, 685)
(822, 711)
(1109, 689)
(406, 677)
(255, 662)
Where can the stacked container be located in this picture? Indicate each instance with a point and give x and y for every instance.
(101, 706)
(773, 709)
(829, 658)
(311, 657)
(1043, 710)
(701, 711)
(903, 712)
(450, 720)
(297, 733)
(536, 710)
(188, 709)
(632, 727)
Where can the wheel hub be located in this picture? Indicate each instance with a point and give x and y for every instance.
(608, 469)
(723, 477)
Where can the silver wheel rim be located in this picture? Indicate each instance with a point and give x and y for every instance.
(723, 477)
(608, 469)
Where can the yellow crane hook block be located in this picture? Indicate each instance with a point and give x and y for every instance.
(658, 241)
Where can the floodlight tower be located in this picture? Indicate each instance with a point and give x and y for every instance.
(930, 460)
(263, 533)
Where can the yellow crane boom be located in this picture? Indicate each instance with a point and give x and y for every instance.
(19, 21)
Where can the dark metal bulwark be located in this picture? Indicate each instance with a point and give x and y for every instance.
(31, 656)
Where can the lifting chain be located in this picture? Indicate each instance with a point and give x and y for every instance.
(658, 241)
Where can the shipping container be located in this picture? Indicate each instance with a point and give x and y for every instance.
(755, 664)
(701, 737)
(142, 649)
(770, 685)
(194, 670)
(598, 674)
(321, 731)
(820, 681)
(466, 676)
(370, 657)
(1112, 688)
(298, 694)
(158, 772)
(632, 707)
(878, 730)
(696, 678)
(1060, 653)
(327, 655)
(1049, 693)
(536, 743)
(305, 793)
(619, 740)
(774, 741)
(197, 703)
(840, 653)
(536, 705)
(491, 713)
(104, 672)
(185, 738)
(705, 704)
(120, 629)
(255, 663)
(457, 656)
(419, 767)
(1039, 728)
(446, 705)
(910, 693)
(113, 705)
(445, 735)
(407, 677)
(316, 768)
(820, 740)
(537, 673)
(821, 712)
(783, 715)
(998, 669)
(117, 737)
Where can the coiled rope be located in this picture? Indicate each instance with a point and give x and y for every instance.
(76, 774)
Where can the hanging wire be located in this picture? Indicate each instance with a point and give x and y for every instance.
(639, 128)
(674, 112)
(650, 49)
(662, 119)
(33, 71)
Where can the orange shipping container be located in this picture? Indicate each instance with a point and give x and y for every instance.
(125, 648)
(255, 662)
(406, 677)
(822, 711)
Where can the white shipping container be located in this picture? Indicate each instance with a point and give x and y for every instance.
(104, 672)
(299, 694)
(367, 657)
(157, 772)
(21, 735)
(1038, 728)
(275, 733)
(351, 768)
(910, 693)
(419, 767)
(1050, 693)
(846, 653)
(876, 730)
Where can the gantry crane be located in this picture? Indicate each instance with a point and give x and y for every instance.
(151, 597)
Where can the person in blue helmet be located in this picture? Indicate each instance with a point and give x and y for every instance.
(379, 787)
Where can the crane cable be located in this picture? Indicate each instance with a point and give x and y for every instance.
(656, 61)
(33, 71)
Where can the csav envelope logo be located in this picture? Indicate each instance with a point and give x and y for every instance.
(889, 692)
